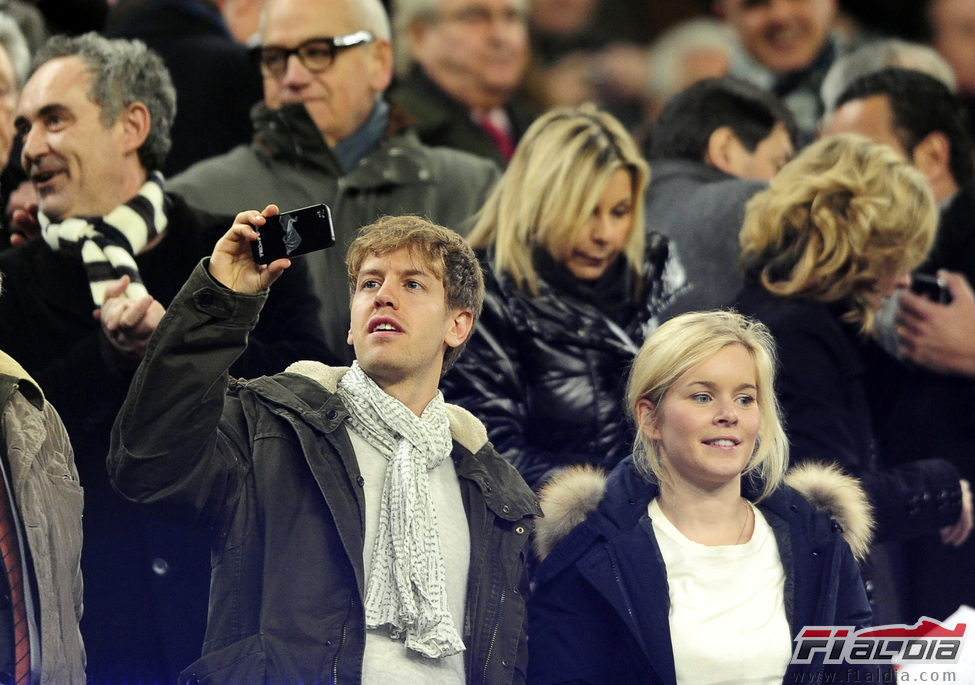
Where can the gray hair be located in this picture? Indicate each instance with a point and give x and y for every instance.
(669, 51)
(879, 55)
(12, 40)
(369, 15)
(405, 14)
(123, 72)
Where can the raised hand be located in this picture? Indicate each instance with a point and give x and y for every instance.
(232, 262)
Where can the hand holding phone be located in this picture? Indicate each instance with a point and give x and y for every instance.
(931, 287)
(294, 233)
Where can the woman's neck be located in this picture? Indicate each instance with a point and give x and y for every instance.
(713, 518)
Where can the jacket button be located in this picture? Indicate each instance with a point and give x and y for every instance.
(815, 552)
(328, 643)
(205, 298)
(520, 530)
(360, 481)
(506, 509)
(160, 566)
(331, 414)
(193, 680)
(794, 507)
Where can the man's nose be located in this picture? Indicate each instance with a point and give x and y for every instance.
(385, 296)
(295, 72)
(34, 144)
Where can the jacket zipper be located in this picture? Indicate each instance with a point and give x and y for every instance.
(338, 652)
(494, 635)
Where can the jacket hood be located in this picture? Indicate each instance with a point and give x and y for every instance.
(570, 496)
(841, 497)
(465, 428)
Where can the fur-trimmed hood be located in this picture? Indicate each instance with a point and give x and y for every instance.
(573, 494)
(465, 428)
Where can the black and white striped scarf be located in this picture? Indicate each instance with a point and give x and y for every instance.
(107, 245)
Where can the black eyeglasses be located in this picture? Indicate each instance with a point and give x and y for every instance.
(316, 54)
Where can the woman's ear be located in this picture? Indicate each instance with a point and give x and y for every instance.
(646, 418)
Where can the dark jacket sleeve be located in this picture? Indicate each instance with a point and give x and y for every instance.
(179, 439)
(827, 419)
(289, 328)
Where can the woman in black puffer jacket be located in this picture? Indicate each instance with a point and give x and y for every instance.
(574, 285)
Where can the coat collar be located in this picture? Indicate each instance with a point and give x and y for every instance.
(307, 389)
(290, 135)
(621, 498)
(27, 386)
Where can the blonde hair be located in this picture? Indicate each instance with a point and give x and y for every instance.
(835, 221)
(684, 342)
(553, 183)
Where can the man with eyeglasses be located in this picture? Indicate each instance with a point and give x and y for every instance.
(467, 59)
(79, 304)
(325, 133)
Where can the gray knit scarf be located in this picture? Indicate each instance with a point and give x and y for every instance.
(107, 245)
(406, 589)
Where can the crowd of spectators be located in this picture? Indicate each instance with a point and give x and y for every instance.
(613, 164)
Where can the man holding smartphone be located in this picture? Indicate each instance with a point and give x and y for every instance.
(364, 530)
(79, 304)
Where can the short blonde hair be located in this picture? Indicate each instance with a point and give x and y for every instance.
(553, 183)
(680, 344)
(841, 216)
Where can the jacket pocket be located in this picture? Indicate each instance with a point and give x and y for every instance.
(244, 662)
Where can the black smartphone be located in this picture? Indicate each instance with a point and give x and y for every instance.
(932, 287)
(294, 233)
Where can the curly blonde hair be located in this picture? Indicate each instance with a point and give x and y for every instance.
(553, 183)
(842, 216)
(682, 343)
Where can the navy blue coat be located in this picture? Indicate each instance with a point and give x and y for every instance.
(599, 613)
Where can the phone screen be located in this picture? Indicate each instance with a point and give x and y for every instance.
(294, 233)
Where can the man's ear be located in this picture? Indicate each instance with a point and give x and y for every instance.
(646, 418)
(381, 65)
(416, 34)
(724, 150)
(461, 324)
(136, 123)
(932, 156)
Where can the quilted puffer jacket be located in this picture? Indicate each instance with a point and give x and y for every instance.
(546, 373)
